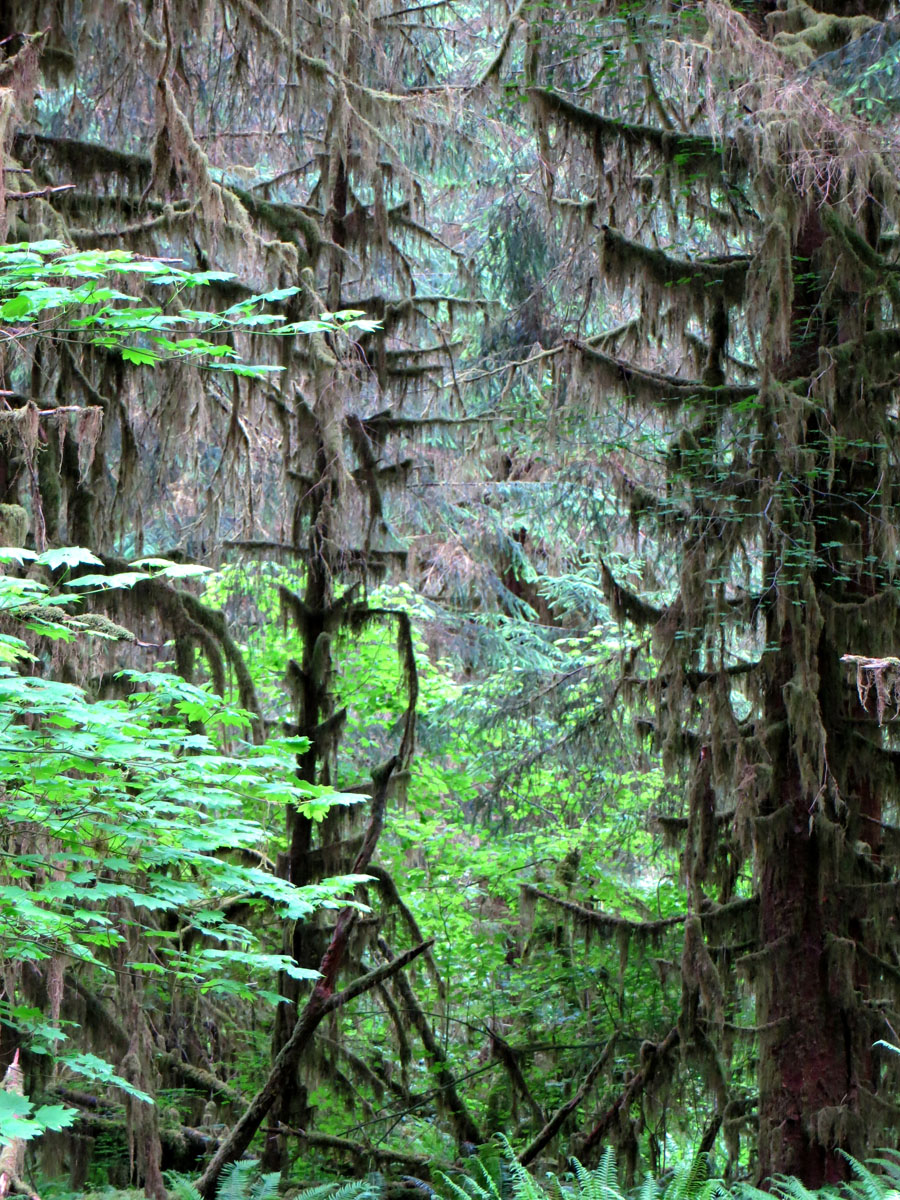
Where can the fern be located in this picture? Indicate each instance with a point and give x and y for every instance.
(468, 1188)
(788, 1187)
(242, 1180)
(867, 1185)
(354, 1189)
(599, 1184)
(891, 1168)
(649, 1189)
(525, 1186)
(602, 1183)
(691, 1181)
(180, 1187)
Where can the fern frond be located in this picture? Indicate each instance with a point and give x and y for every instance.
(181, 1187)
(788, 1187)
(714, 1189)
(237, 1180)
(489, 1185)
(525, 1186)
(603, 1182)
(687, 1181)
(265, 1187)
(746, 1191)
(867, 1185)
(466, 1189)
(355, 1189)
(891, 1168)
(650, 1190)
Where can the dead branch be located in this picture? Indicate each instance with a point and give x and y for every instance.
(556, 1122)
(47, 191)
(465, 1128)
(322, 1001)
(652, 1057)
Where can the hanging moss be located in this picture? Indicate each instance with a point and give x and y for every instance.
(699, 280)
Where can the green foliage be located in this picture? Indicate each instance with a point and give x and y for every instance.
(20, 1120)
(50, 291)
(126, 827)
(879, 1179)
(504, 1178)
(241, 1180)
(353, 1189)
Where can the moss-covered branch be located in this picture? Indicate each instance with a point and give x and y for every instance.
(653, 387)
(559, 1118)
(689, 153)
(654, 1059)
(725, 276)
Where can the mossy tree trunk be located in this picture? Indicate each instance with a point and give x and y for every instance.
(764, 373)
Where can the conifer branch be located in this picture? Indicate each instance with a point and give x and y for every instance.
(653, 386)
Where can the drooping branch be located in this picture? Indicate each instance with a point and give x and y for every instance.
(606, 922)
(653, 387)
(722, 915)
(723, 276)
(625, 604)
(84, 158)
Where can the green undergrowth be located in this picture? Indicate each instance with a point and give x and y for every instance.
(496, 1174)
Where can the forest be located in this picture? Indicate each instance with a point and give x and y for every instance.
(450, 599)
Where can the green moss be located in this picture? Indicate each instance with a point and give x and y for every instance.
(13, 525)
(816, 33)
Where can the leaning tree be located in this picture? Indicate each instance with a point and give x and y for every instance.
(730, 174)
